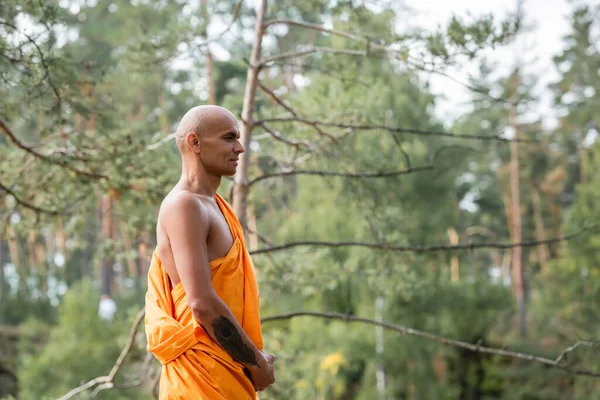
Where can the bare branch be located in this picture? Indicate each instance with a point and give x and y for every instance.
(370, 45)
(276, 99)
(426, 249)
(572, 348)
(291, 111)
(422, 67)
(451, 342)
(108, 381)
(387, 174)
(162, 141)
(277, 136)
(316, 27)
(234, 16)
(392, 129)
(312, 50)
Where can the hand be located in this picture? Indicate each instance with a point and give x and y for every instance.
(262, 375)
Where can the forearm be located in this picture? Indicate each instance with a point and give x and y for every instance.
(219, 323)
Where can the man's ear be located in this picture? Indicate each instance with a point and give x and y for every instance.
(193, 141)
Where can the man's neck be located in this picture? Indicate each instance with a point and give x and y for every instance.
(199, 182)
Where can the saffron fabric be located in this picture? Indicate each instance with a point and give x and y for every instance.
(193, 365)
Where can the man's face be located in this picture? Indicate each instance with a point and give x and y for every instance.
(220, 147)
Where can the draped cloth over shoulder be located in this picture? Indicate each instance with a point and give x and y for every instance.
(193, 365)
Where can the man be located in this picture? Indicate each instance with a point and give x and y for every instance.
(202, 305)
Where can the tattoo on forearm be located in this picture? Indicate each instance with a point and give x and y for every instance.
(229, 338)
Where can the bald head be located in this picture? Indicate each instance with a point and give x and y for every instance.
(203, 120)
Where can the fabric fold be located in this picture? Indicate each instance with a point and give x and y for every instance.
(194, 366)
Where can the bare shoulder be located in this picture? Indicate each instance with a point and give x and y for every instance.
(180, 207)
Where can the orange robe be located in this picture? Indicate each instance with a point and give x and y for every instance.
(193, 365)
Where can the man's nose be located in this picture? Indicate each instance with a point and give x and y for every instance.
(238, 148)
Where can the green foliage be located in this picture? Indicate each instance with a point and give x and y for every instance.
(56, 359)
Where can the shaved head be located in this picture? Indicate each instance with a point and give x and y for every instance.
(202, 120)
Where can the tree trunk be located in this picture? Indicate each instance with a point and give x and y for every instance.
(164, 121)
(540, 231)
(252, 234)
(13, 248)
(128, 247)
(61, 239)
(107, 260)
(453, 236)
(210, 72)
(240, 184)
(143, 260)
(518, 279)
(3, 283)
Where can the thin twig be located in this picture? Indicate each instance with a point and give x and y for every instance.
(162, 141)
(276, 99)
(312, 50)
(288, 108)
(572, 348)
(277, 136)
(234, 16)
(317, 28)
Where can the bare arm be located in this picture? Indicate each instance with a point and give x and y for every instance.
(187, 228)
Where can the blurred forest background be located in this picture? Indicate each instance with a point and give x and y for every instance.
(357, 199)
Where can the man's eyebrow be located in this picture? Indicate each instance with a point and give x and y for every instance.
(231, 133)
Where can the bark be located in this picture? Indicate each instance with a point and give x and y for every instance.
(107, 272)
(540, 230)
(240, 184)
(143, 260)
(453, 236)
(3, 283)
(518, 281)
(210, 65)
(210, 71)
(252, 235)
(164, 122)
(13, 247)
(61, 238)
(128, 246)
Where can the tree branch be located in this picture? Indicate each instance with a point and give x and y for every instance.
(108, 381)
(426, 249)
(275, 98)
(234, 16)
(319, 28)
(312, 50)
(277, 136)
(391, 129)
(430, 336)
(387, 174)
(44, 65)
(55, 161)
(29, 205)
